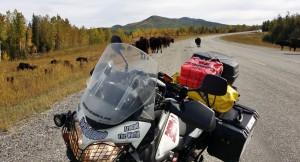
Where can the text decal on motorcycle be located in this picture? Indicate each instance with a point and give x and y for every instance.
(90, 132)
(129, 135)
(171, 128)
(135, 134)
(95, 114)
(131, 127)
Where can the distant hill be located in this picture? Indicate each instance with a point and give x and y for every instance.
(163, 22)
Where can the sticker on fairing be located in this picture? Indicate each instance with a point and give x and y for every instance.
(131, 127)
(129, 135)
(90, 132)
(172, 129)
(129, 131)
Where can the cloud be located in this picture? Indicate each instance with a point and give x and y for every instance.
(94, 13)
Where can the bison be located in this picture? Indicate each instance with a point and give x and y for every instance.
(67, 63)
(143, 44)
(283, 43)
(10, 79)
(172, 40)
(54, 61)
(164, 41)
(198, 41)
(169, 41)
(48, 71)
(295, 43)
(25, 66)
(81, 59)
(155, 44)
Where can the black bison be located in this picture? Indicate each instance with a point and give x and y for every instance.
(155, 44)
(295, 43)
(143, 44)
(283, 43)
(25, 66)
(166, 41)
(198, 41)
(169, 41)
(81, 59)
(172, 40)
(54, 61)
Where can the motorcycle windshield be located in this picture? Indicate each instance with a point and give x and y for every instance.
(123, 82)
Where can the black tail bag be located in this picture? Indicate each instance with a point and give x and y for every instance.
(232, 133)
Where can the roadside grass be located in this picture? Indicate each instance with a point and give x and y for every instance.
(33, 91)
(252, 39)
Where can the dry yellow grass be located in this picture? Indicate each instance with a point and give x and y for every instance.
(34, 91)
(252, 39)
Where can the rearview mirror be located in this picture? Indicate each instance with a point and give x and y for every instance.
(214, 85)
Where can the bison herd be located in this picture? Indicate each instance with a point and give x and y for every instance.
(155, 44)
(67, 63)
(291, 43)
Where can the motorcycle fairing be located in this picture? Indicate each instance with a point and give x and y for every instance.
(170, 137)
(128, 132)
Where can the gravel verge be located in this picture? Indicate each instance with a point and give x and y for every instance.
(38, 139)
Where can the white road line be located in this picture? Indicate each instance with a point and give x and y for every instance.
(258, 62)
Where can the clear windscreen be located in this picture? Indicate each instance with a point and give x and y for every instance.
(122, 83)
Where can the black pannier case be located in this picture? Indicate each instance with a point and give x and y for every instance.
(230, 66)
(232, 133)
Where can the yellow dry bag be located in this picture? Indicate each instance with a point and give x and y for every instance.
(219, 103)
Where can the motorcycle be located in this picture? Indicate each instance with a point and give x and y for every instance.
(127, 114)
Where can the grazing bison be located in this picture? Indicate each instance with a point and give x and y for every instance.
(25, 66)
(198, 41)
(295, 43)
(32, 67)
(67, 63)
(48, 71)
(54, 61)
(81, 59)
(155, 44)
(10, 79)
(283, 43)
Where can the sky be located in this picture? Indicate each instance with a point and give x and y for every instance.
(99, 13)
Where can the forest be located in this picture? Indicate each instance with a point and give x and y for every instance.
(20, 38)
(282, 28)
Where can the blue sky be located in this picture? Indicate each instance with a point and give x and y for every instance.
(99, 13)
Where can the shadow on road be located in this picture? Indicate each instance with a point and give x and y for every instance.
(291, 53)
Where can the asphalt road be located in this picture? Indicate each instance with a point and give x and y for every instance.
(269, 81)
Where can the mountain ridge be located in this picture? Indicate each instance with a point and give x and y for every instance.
(155, 21)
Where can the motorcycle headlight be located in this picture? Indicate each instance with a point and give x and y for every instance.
(59, 119)
(104, 151)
